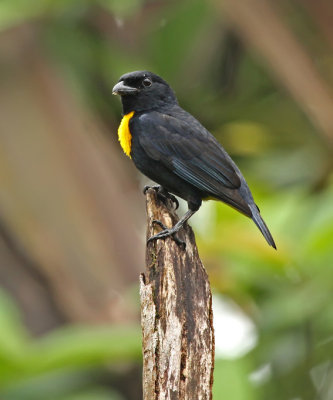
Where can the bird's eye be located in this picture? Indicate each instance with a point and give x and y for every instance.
(147, 82)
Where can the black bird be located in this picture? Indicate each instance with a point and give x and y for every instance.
(168, 145)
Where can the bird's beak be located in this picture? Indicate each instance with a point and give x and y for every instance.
(121, 89)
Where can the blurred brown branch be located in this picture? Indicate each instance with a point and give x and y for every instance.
(322, 12)
(64, 191)
(260, 25)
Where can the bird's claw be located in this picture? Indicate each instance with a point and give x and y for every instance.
(162, 194)
(174, 200)
(147, 187)
(159, 223)
(167, 232)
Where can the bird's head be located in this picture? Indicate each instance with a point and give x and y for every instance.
(143, 90)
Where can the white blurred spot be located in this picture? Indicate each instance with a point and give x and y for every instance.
(205, 219)
(235, 333)
(322, 378)
(261, 375)
(119, 22)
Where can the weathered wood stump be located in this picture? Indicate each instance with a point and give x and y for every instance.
(176, 314)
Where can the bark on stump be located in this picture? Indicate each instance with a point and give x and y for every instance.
(176, 314)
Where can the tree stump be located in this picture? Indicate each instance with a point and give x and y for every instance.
(176, 314)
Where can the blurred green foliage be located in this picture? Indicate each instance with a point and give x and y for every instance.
(288, 293)
(62, 363)
(63, 360)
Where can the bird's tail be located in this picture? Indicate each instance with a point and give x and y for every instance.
(261, 225)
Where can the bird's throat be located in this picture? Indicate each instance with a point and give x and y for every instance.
(124, 134)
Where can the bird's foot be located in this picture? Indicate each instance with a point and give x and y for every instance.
(162, 194)
(147, 187)
(167, 232)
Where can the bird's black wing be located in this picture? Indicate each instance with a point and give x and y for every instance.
(185, 147)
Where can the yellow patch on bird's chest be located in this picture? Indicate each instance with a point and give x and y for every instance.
(124, 134)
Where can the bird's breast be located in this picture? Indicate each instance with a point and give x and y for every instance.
(124, 134)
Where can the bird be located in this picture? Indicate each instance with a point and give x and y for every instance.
(173, 149)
